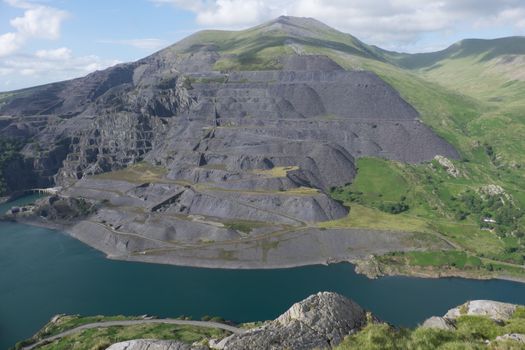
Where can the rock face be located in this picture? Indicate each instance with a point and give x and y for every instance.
(318, 322)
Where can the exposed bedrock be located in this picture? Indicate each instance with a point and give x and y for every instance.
(321, 321)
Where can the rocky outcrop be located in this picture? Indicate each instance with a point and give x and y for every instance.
(437, 322)
(148, 344)
(321, 321)
(447, 164)
(495, 310)
(514, 337)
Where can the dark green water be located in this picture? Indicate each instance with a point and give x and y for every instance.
(43, 273)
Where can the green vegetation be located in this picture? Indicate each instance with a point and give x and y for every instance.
(494, 211)
(8, 151)
(138, 173)
(101, 338)
(472, 332)
(66, 322)
(278, 171)
(425, 198)
(441, 259)
(245, 226)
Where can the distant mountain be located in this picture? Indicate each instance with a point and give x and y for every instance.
(480, 49)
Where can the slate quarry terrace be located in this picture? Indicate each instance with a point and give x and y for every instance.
(230, 169)
(241, 179)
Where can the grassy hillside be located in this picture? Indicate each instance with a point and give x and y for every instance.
(260, 47)
(472, 102)
(473, 332)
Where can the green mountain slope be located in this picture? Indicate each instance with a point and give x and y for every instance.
(471, 94)
(258, 47)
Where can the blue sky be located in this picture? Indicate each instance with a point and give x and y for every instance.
(43, 41)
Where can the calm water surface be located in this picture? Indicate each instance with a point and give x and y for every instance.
(44, 272)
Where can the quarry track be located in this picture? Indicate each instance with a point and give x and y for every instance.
(207, 324)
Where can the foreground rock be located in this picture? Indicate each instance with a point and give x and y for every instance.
(495, 310)
(515, 337)
(149, 344)
(318, 322)
(436, 322)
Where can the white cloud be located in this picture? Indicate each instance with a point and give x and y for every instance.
(37, 21)
(61, 61)
(9, 43)
(40, 22)
(235, 12)
(62, 53)
(49, 65)
(513, 16)
(389, 23)
(144, 44)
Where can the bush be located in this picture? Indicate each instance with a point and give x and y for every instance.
(394, 208)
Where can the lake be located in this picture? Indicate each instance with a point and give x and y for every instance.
(44, 272)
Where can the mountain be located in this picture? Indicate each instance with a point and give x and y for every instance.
(285, 144)
(483, 50)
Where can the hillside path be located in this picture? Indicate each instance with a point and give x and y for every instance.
(208, 324)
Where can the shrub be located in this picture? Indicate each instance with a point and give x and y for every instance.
(394, 208)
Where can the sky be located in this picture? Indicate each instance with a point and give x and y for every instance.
(43, 41)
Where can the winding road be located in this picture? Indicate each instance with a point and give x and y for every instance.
(207, 324)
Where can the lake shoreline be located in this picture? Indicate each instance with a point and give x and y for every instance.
(371, 269)
(360, 265)
(61, 275)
